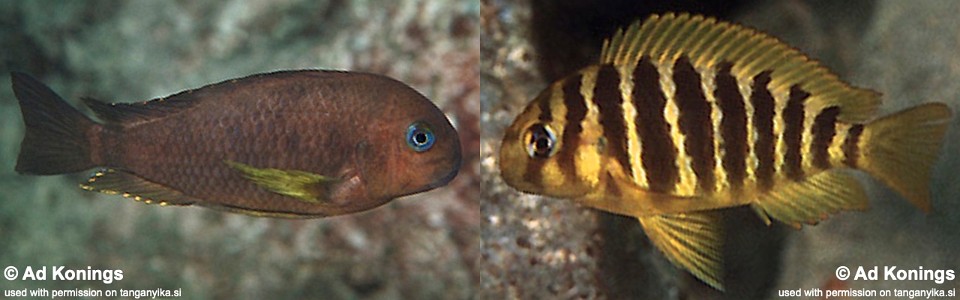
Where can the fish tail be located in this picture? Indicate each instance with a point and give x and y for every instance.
(55, 141)
(900, 149)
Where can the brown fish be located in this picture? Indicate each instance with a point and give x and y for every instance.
(285, 144)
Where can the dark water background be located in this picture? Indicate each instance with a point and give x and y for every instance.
(538, 247)
(476, 238)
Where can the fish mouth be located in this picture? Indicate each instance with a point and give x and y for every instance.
(455, 163)
(442, 181)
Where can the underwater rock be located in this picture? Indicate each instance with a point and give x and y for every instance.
(536, 247)
(422, 246)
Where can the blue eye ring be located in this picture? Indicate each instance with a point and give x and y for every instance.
(419, 137)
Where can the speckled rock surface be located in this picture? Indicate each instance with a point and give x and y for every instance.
(423, 246)
(532, 247)
(904, 50)
(445, 243)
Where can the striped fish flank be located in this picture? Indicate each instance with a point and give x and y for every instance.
(684, 115)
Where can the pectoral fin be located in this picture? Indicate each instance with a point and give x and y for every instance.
(692, 241)
(304, 186)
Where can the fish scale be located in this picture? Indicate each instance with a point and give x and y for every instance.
(685, 115)
(244, 142)
(285, 144)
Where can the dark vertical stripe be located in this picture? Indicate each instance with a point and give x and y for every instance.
(659, 154)
(793, 116)
(544, 103)
(763, 113)
(576, 112)
(609, 100)
(851, 151)
(613, 190)
(534, 168)
(824, 128)
(733, 125)
(694, 121)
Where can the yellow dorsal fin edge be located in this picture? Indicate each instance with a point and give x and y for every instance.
(708, 42)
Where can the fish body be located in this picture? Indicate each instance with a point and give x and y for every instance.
(685, 115)
(285, 144)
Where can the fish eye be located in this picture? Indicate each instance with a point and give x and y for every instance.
(541, 142)
(420, 137)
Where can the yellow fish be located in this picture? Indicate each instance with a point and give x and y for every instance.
(684, 115)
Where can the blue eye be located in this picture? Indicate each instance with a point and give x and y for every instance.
(420, 137)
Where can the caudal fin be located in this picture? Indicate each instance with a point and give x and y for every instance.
(900, 149)
(55, 141)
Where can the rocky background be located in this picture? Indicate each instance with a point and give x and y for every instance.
(445, 243)
(536, 247)
(423, 246)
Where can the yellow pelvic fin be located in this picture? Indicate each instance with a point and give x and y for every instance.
(813, 199)
(692, 241)
(128, 185)
(900, 149)
(304, 186)
(707, 42)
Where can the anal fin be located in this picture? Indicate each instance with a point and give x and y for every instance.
(692, 241)
(813, 199)
(129, 185)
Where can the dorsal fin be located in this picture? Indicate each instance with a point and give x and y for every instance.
(149, 110)
(140, 111)
(708, 42)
